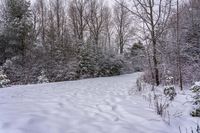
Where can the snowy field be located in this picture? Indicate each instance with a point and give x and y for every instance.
(101, 105)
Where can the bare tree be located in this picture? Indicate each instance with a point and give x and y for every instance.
(58, 23)
(123, 22)
(40, 19)
(57, 7)
(179, 68)
(95, 19)
(77, 13)
(109, 28)
(155, 15)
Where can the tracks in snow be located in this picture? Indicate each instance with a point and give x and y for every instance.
(100, 105)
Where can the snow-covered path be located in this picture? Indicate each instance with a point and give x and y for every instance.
(101, 105)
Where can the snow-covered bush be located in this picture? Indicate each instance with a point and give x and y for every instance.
(170, 92)
(162, 101)
(13, 70)
(62, 71)
(169, 89)
(169, 80)
(72, 70)
(161, 104)
(4, 81)
(43, 78)
(160, 98)
(87, 64)
(197, 129)
(19, 73)
(109, 65)
(196, 99)
(139, 84)
(98, 64)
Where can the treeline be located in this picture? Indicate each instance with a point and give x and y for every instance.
(170, 32)
(64, 40)
(74, 39)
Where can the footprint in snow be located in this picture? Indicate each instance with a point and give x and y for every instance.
(6, 125)
(61, 105)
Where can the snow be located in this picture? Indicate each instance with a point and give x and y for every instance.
(197, 83)
(100, 105)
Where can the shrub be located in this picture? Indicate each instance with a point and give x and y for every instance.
(170, 92)
(160, 104)
(109, 65)
(43, 78)
(139, 84)
(98, 64)
(86, 64)
(196, 100)
(4, 81)
(19, 73)
(61, 71)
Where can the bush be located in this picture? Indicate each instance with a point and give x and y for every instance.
(19, 73)
(109, 65)
(160, 104)
(43, 78)
(196, 100)
(87, 64)
(4, 81)
(139, 84)
(98, 64)
(13, 70)
(170, 92)
(57, 71)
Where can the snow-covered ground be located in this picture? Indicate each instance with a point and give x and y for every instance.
(101, 105)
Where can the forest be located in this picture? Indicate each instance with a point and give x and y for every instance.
(99, 66)
(76, 39)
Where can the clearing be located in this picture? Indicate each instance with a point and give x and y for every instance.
(100, 105)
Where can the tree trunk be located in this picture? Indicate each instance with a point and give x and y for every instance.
(154, 43)
(178, 50)
(156, 71)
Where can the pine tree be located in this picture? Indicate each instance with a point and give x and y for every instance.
(17, 26)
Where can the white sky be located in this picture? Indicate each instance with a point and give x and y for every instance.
(109, 1)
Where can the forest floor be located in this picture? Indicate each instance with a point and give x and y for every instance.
(100, 105)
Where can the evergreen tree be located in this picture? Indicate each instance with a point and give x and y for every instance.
(136, 54)
(17, 25)
(196, 100)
